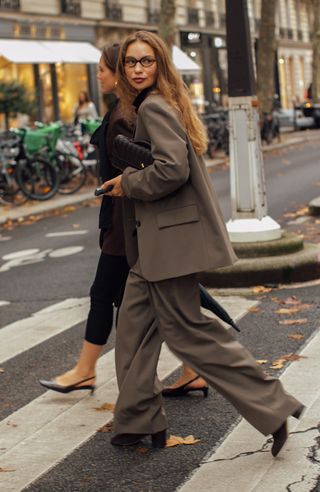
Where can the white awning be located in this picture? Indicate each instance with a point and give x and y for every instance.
(183, 63)
(25, 51)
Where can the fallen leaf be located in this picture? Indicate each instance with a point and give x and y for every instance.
(287, 310)
(261, 361)
(4, 470)
(142, 450)
(254, 310)
(296, 336)
(1, 370)
(260, 288)
(177, 441)
(291, 300)
(75, 226)
(287, 322)
(296, 309)
(276, 299)
(106, 428)
(106, 407)
(279, 363)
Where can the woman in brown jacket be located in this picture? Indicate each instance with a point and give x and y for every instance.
(174, 229)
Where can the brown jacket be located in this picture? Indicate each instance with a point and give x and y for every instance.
(173, 220)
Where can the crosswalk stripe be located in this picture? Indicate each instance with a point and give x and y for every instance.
(44, 432)
(22, 335)
(259, 472)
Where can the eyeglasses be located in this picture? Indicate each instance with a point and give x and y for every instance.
(145, 61)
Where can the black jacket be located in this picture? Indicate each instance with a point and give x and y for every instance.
(112, 124)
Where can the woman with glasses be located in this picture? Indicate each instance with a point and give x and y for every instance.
(174, 229)
(112, 267)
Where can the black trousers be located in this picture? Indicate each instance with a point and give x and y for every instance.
(106, 291)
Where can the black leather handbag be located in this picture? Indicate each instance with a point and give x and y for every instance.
(126, 152)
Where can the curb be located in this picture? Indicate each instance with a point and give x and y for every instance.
(59, 201)
(301, 266)
(314, 207)
(15, 214)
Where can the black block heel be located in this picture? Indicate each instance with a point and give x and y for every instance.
(159, 439)
(298, 413)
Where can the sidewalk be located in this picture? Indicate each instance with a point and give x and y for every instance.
(14, 214)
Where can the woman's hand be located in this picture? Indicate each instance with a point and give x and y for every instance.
(117, 188)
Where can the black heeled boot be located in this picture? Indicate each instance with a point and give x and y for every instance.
(158, 439)
(281, 435)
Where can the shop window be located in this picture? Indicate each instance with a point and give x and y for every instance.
(71, 79)
(9, 4)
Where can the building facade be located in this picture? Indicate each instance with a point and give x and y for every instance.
(200, 33)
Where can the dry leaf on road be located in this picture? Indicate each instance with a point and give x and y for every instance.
(106, 428)
(291, 300)
(177, 441)
(258, 289)
(4, 470)
(279, 363)
(142, 450)
(287, 322)
(254, 310)
(287, 310)
(296, 336)
(261, 361)
(106, 407)
(1, 370)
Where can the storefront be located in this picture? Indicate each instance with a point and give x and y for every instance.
(53, 72)
(209, 51)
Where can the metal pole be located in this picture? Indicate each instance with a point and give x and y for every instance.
(249, 221)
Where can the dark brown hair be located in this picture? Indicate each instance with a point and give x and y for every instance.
(110, 55)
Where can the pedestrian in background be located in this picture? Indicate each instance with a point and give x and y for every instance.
(85, 109)
(179, 231)
(112, 267)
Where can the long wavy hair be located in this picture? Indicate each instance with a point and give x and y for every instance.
(168, 83)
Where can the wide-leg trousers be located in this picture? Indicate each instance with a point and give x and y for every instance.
(169, 310)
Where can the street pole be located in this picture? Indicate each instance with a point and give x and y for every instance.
(249, 220)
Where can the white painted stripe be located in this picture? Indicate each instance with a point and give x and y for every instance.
(45, 431)
(24, 334)
(67, 233)
(260, 472)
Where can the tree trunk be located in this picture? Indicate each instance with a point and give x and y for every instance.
(315, 91)
(265, 56)
(6, 121)
(167, 27)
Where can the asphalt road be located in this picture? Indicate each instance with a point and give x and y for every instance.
(60, 267)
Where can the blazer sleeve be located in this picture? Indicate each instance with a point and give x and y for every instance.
(170, 169)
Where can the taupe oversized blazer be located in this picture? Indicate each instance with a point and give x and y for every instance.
(172, 220)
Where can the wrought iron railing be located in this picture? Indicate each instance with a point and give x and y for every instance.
(113, 11)
(71, 7)
(153, 16)
(9, 4)
(223, 22)
(193, 16)
(209, 18)
(300, 35)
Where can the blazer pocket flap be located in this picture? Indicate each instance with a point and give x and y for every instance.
(176, 216)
